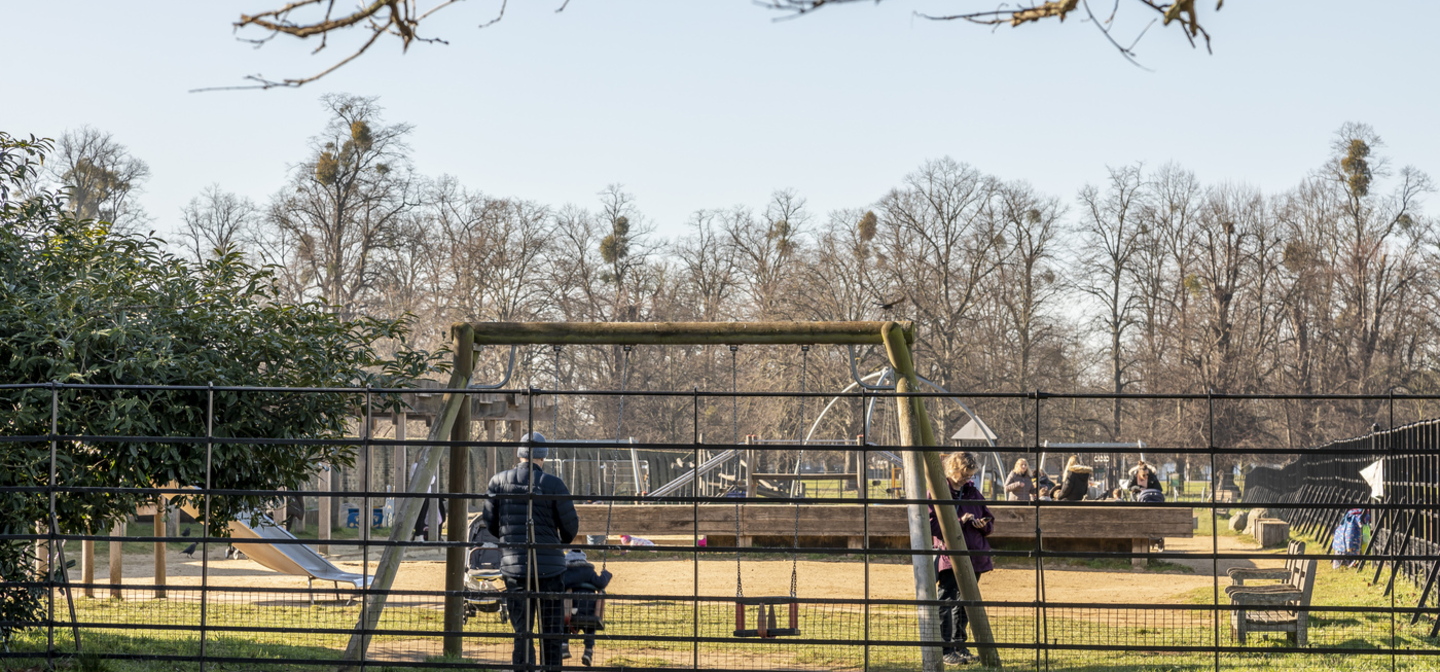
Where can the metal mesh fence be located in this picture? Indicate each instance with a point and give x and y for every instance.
(1132, 592)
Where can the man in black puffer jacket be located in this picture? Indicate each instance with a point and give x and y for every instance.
(508, 513)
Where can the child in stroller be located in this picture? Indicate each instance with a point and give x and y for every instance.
(583, 615)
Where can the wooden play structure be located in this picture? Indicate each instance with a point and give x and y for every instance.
(453, 421)
(1120, 528)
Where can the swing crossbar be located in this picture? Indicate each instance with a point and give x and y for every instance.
(765, 624)
(682, 333)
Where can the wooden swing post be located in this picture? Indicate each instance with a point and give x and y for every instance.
(915, 430)
(459, 517)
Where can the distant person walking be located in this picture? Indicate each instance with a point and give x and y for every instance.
(976, 523)
(514, 516)
(422, 522)
(1020, 484)
(1076, 483)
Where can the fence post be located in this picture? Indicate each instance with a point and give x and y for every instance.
(117, 560)
(87, 556)
(158, 528)
(325, 516)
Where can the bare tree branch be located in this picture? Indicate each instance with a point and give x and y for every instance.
(402, 18)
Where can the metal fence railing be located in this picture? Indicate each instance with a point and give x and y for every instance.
(1077, 585)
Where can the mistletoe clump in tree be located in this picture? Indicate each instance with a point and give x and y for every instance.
(81, 303)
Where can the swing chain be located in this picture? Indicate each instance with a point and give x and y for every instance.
(795, 544)
(735, 424)
(619, 426)
(739, 582)
(734, 407)
(555, 410)
(624, 382)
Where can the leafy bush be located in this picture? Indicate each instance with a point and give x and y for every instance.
(80, 303)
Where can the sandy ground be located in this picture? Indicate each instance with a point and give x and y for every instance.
(636, 576)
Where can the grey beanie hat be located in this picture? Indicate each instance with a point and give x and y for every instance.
(532, 446)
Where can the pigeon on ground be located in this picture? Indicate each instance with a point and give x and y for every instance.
(186, 533)
(189, 551)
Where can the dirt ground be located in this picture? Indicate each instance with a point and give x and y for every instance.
(838, 579)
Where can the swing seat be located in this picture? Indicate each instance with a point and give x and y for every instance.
(575, 621)
(765, 624)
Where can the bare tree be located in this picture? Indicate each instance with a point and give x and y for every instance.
(1109, 240)
(100, 177)
(764, 247)
(940, 242)
(344, 203)
(216, 222)
(708, 266)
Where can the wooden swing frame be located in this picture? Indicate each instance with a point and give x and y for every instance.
(896, 337)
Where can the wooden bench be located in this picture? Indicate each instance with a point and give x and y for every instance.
(1239, 575)
(1275, 608)
(1115, 527)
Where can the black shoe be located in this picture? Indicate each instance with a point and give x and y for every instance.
(587, 656)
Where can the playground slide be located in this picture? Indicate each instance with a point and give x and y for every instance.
(296, 559)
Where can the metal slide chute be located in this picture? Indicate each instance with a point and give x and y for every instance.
(287, 558)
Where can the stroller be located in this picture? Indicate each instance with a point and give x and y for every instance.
(1150, 496)
(484, 586)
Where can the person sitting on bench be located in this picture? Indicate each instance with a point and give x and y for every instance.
(580, 577)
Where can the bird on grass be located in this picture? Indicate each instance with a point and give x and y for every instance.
(189, 551)
(186, 533)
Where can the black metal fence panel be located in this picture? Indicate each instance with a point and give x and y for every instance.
(818, 555)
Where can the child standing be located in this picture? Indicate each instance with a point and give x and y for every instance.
(977, 524)
(580, 578)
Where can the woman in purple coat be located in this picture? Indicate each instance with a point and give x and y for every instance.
(977, 524)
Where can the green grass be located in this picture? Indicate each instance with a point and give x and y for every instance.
(1367, 634)
(1221, 526)
(1097, 564)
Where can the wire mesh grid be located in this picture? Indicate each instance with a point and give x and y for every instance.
(227, 619)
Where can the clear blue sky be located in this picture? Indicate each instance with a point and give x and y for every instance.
(699, 104)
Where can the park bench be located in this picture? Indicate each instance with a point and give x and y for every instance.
(1239, 575)
(1275, 608)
